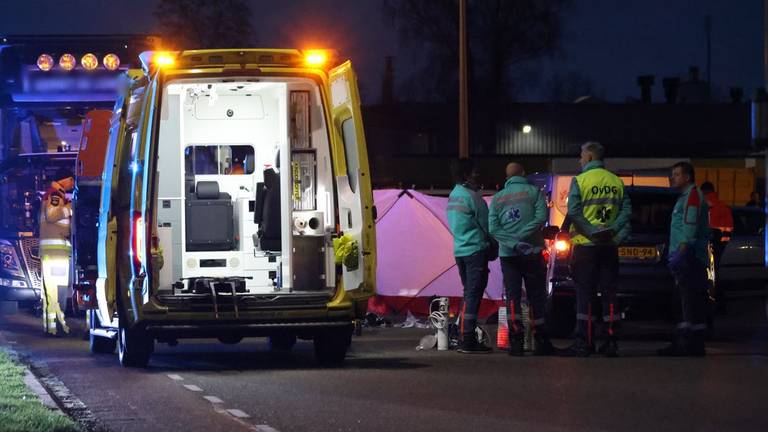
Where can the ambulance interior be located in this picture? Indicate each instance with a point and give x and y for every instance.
(245, 202)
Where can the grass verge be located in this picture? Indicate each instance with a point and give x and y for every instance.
(20, 409)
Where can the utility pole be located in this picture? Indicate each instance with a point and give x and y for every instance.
(463, 96)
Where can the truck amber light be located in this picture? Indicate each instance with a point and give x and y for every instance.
(315, 58)
(89, 61)
(45, 62)
(67, 62)
(111, 61)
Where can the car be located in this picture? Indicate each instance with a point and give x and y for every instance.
(645, 284)
(741, 266)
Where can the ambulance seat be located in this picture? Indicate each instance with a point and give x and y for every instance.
(209, 219)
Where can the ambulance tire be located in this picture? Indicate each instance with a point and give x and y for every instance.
(99, 344)
(282, 342)
(134, 346)
(331, 345)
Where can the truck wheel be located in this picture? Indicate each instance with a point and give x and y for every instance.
(99, 344)
(134, 346)
(331, 345)
(282, 342)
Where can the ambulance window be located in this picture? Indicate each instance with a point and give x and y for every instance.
(349, 137)
(219, 159)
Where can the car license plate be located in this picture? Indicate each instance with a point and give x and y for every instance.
(637, 252)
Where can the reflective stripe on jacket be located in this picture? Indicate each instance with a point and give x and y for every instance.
(597, 201)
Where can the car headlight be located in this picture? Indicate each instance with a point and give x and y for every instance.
(13, 283)
(9, 260)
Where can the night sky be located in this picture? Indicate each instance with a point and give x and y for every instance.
(609, 41)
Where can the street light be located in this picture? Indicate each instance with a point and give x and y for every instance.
(527, 129)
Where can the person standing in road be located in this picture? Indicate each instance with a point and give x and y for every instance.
(688, 260)
(599, 212)
(56, 253)
(515, 218)
(468, 222)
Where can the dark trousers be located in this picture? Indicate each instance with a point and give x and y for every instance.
(595, 267)
(691, 285)
(473, 270)
(532, 270)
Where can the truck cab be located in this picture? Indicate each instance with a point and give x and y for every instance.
(236, 202)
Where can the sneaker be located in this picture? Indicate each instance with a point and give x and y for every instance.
(609, 348)
(516, 345)
(472, 347)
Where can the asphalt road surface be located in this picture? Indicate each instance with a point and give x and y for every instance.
(387, 385)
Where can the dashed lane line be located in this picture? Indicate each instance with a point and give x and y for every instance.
(213, 399)
(192, 387)
(238, 413)
(175, 377)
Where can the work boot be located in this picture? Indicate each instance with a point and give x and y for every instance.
(609, 348)
(676, 348)
(580, 348)
(516, 344)
(470, 345)
(695, 346)
(543, 346)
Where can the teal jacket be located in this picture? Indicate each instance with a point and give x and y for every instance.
(690, 224)
(620, 225)
(468, 221)
(516, 215)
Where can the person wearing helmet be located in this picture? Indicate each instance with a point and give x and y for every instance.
(56, 252)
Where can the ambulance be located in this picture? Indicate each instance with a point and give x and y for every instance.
(236, 202)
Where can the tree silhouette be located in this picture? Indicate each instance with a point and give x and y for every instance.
(198, 24)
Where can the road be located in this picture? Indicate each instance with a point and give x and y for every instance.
(387, 385)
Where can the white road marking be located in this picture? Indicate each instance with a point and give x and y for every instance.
(193, 388)
(213, 399)
(175, 377)
(237, 413)
(265, 428)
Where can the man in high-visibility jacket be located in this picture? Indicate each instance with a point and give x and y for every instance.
(515, 218)
(468, 222)
(599, 212)
(56, 253)
(688, 259)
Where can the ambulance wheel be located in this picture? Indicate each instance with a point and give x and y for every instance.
(282, 341)
(99, 344)
(331, 345)
(134, 346)
(562, 316)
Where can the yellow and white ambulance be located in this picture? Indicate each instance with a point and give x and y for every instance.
(236, 202)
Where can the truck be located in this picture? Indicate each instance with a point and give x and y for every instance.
(55, 92)
(236, 202)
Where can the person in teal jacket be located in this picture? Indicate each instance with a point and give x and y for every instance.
(515, 218)
(688, 261)
(468, 222)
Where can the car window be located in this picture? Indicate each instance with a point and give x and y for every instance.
(651, 211)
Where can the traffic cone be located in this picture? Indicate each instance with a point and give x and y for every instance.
(502, 335)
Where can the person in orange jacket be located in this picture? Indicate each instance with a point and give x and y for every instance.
(720, 215)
